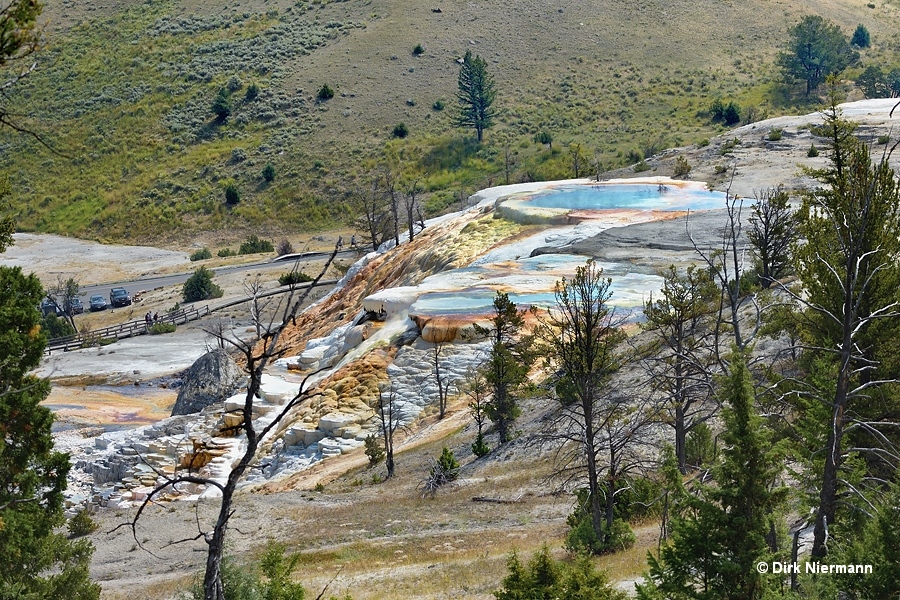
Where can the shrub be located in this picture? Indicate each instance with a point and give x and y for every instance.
(293, 278)
(252, 92)
(544, 137)
(582, 538)
(254, 245)
(82, 524)
(238, 155)
(418, 50)
(56, 327)
(158, 328)
(443, 470)
(438, 105)
(201, 254)
(225, 253)
(717, 110)
(479, 448)
(268, 172)
(775, 134)
(813, 151)
(374, 450)
(200, 286)
(861, 37)
(641, 167)
(884, 139)
(682, 167)
(232, 194)
(400, 131)
(703, 143)
(234, 84)
(544, 577)
(284, 247)
(243, 582)
(731, 114)
(221, 106)
(634, 156)
(325, 93)
(699, 447)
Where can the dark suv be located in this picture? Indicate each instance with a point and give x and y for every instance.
(75, 306)
(119, 297)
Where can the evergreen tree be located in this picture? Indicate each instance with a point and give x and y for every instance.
(200, 286)
(850, 276)
(35, 561)
(475, 95)
(221, 106)
(721, 533)
(816, 48)
(544, 577)
(508, 364)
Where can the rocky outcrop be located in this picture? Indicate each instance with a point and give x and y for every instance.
(212, 378)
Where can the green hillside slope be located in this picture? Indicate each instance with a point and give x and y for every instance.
(124, 94)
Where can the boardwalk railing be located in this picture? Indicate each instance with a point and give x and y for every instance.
(129, 329)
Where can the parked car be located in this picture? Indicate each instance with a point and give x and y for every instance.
(119, 297)
(50, 307)
(75, 306)
(97, 302)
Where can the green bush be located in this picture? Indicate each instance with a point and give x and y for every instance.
(200, 286)
(293, 278)
(225, 253)
(447, 463)
(544, 577)
(775, 134)
(221, 106)
(254, 245)
(438, 105)
(252, 92)
(732, 114)
(418, 50)
(268, 172)
(158, 328)
(861, 37)
(479, 448)
(232, 194)
(56, 327)
(201, 254)
(641, 167)
(400, 131)
(325, 93)
(884, 139)
(245, 583)
(374, 450)
(682, 167)
(699, 446)
(813, 151)
(582, 538)
(81, 524)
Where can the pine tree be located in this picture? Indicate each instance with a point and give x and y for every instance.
(35, 561)
(475, 95)
(720, 534)
(508, 364)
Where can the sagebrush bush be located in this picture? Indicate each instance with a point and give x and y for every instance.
(293, 278)
(225, 253)
(159, 328)
(254, 245)
(400, 131)
(775, 134)
(201, 254)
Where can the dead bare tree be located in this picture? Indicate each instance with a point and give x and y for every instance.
(393, 199)
(389, 418)
(375, 219)
(412, 208)
(727, 265)
(257, 354)
(442, 380)
(62, 294)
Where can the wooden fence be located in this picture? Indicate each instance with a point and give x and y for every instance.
(129, 329)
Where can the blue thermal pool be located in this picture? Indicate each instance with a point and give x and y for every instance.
(562, 204)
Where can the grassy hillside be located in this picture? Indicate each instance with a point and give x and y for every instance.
(125, 89)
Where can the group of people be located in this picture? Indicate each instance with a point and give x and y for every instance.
(151, 319)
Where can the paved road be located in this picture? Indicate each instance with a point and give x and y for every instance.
(150, 283)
